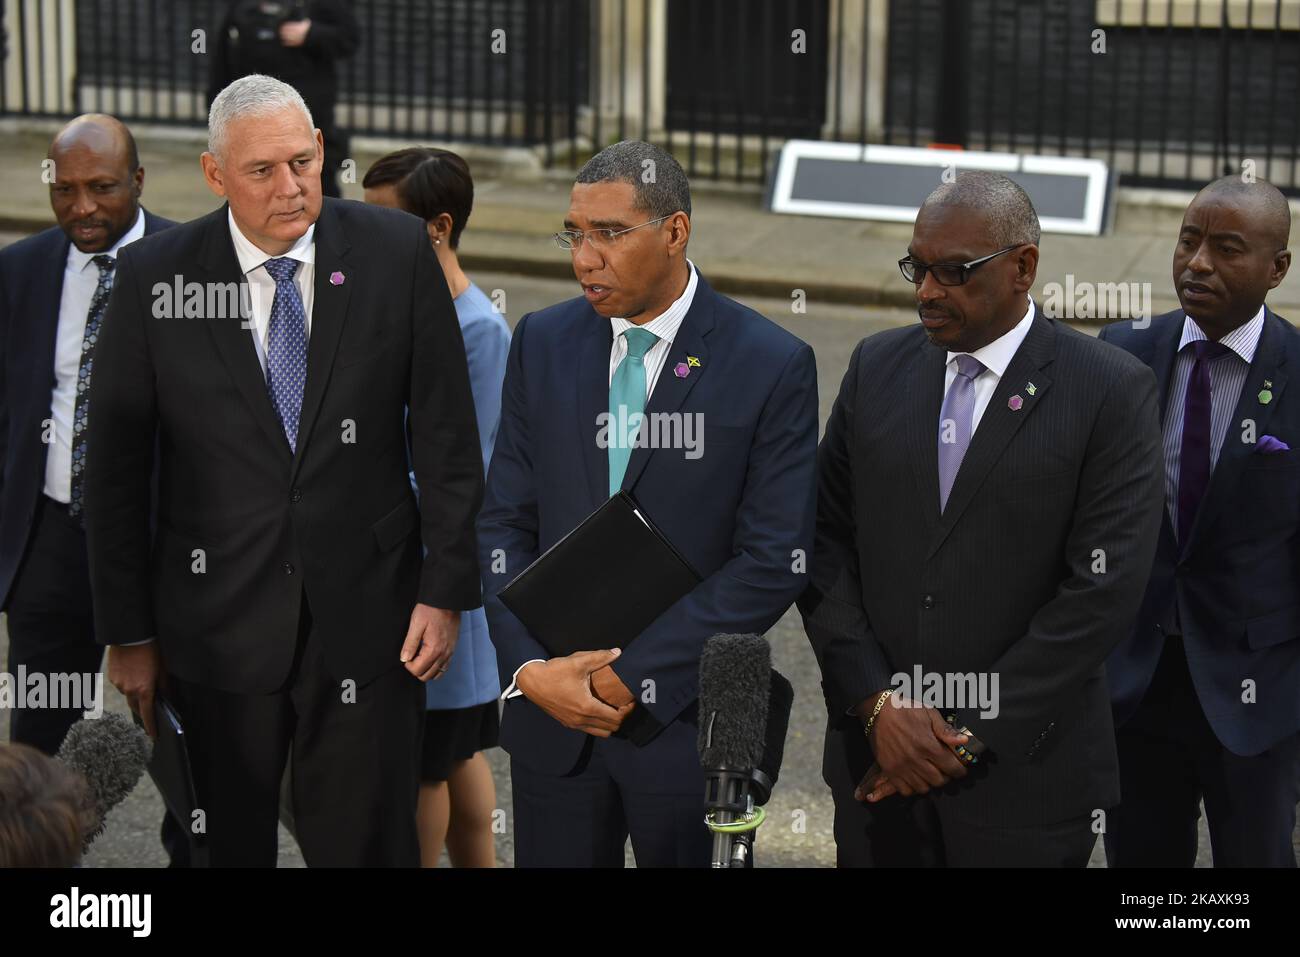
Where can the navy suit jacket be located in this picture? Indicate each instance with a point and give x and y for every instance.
(1237, 580)
(742, 512)
(31, 287)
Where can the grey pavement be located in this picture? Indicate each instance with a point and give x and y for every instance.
(799, 828)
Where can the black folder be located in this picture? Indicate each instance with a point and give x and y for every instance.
(169, 767)
(602, 584)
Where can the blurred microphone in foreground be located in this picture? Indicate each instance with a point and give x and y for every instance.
(744, 714)
(51, 809)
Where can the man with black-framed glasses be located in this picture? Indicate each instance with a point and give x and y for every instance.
(705, 412)
(988, 502)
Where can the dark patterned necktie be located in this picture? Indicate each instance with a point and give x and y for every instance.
(1194, 459)
(81, 410)
(286, 348)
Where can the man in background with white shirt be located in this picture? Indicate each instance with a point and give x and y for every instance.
(603, 745)
(988, 502)
(282, 602)
(54, 288)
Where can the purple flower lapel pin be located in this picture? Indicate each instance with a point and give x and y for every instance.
(336, 278)
(1270, 445)
(1014, 403)
(681, 370)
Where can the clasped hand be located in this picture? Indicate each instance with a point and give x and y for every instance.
(580, 691)
(914, 747)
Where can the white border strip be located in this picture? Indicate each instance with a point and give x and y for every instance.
(794, 150)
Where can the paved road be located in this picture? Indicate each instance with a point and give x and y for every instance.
(798, 832)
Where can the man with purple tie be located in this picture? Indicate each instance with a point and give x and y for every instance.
(1206, 690)
(988, 501)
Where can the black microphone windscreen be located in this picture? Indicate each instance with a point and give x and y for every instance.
(780, 701)
(735, 672)
(111, 753)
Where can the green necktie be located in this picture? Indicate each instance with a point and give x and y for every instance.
(627, 399)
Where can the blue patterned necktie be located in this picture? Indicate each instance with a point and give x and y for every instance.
(956, 422)
(286, 348)
(626, 399)
(81, 409)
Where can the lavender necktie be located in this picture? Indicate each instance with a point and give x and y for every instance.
(1194, 458)
(955, 420)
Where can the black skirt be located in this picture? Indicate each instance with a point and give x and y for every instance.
(457, 735)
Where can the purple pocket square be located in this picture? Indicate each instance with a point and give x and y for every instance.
(1269, 444)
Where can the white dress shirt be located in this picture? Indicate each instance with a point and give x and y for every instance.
(996, 356)
(80, 279)
(261, 285)
(665, 326)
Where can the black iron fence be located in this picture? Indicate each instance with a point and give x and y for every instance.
(1168, 92)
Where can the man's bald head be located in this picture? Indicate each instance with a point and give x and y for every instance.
(1264, 202)
(97, 182)
(1008, 213)
(101, 133)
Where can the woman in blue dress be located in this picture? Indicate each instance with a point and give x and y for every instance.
(457, 794)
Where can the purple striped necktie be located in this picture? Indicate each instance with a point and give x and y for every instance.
(1194, 458)
(955, 421)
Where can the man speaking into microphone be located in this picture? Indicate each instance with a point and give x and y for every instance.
(648, 341)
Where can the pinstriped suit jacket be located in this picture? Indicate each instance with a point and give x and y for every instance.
(1034, 571)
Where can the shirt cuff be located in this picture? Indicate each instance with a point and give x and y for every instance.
(132, 644)
(513, 691)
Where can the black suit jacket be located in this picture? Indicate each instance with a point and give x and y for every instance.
(245, 526)
(31, 287)
(1007, 579)
(1237, 581)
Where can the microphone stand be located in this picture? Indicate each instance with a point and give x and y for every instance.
(731, 817)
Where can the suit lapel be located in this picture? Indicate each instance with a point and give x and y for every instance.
(44, 314)
(671, 390)
(233, 339)
(926, 375)
(328, 312)
(1161, 359)
(593, 400)
(1163, 353)
(1268, 365)
(999, 422)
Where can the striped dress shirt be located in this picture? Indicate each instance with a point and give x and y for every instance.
(1227, 377)
(665, 326)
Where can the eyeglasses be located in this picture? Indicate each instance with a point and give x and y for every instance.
(946, 274)
(600, 238)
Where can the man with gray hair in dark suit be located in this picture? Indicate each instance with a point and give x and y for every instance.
(988, 502)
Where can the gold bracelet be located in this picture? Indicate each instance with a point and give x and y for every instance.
(880, 703)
